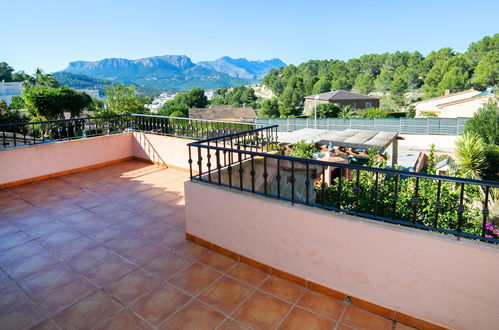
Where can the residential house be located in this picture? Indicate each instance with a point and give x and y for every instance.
(223, 112)
(9, 90)
(461, 104)
(340, 98)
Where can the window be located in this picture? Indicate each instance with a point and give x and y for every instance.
(354, 105)
(368, 105)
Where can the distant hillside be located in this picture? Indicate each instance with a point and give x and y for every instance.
(175, 72)
(242, 68)
(80, 81)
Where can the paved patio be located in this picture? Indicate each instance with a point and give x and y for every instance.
(106, 249)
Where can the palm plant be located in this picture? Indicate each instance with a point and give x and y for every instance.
(40, 79)
(470, 154)
(346, 112)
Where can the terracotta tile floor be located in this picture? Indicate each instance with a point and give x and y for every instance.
(106, 249)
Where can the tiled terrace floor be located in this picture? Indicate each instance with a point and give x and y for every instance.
(106, 249)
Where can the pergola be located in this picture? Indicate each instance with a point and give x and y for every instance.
(350, 138)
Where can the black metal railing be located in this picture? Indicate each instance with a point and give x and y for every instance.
(31, 133)
(249, 161)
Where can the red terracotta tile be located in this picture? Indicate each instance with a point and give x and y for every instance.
(4, 280)
(217, 261)
(58, 237)
(192, 250)
(31, 265)
(322, 304)
(7, 228)
(301, 319)
(19, 252)
(124, 320)
(195, 278)
(14, 239)
(226, 294)
(107, 233)
(232, 325)
(401, 326)
(110, 270)
(88, 312)
(145, 254)
(359, 318)
(65, 295)
(262, 311)
(160, 303)
(90, 258)
(45, 227)
(172, 238)
(10, 297)
(73, 247)
(46, 325)
(194, 316)
(282, 289)
(167, 265)
(125, 243)
(132, 286)
(23, 316)
(47, 279)
(248, 274)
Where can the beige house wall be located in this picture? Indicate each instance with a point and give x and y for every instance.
(464, 109)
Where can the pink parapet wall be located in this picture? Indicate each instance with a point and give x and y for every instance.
(427, 275)
(30, 162)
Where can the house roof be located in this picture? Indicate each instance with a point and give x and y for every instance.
(222, 112)
(446, 96)
(340, 95)
(469, 99)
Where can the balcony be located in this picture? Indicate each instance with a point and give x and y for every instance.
(94, 236)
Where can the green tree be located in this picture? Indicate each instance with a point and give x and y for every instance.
(195, 98)
(470, 155)
(364, 83)
(383, 81)
(321, 86)
(375, 113)
(346, 112)
(291, 102)
(485, 123)
(5, 72)
(17, 103)
(269, 108)
(122, 99)
(50, 103)
(397, 89)
(40, 79)
(326, 110)
(487, 71)
(454, 80)
(172, 106)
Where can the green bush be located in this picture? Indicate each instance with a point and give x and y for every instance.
(302, 149)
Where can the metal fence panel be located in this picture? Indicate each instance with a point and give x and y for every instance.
(429, 126)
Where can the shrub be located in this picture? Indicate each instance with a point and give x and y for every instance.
(302, 149)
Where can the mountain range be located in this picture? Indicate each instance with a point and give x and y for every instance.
(169, 72)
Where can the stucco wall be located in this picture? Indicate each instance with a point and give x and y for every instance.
(45, 159)
(424, 274)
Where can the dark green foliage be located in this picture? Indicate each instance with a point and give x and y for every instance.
(5, 72)
(122, 99)
(171, 107)
(491, 169)
(269, 108)
(302, 149)
(485, 123)
(50, 103)
(397, 73)
(375, 113)
(239, 96)
(326, 110)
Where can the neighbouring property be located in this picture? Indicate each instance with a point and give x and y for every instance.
(9, 90)
(461, 104)
(340, 98)
(223, 112)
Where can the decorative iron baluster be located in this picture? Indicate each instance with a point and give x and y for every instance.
(278, 178)
(415, 201)
(241, 170)
(219, 167)
(323, 185)
(340, 187)
(485, 211)
(292, 179)
(265, 175)
(395, 197)
(252, 173)
(307, 183)
(200, 163)
(190, 162)
(357, 192)
(460, 210)
(438, 204)
(376, 194)
(208, 164)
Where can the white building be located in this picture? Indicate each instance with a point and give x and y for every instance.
(9, 90)
(462, 104)
(158, 102)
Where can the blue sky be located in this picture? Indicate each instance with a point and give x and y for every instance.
(49, 33)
